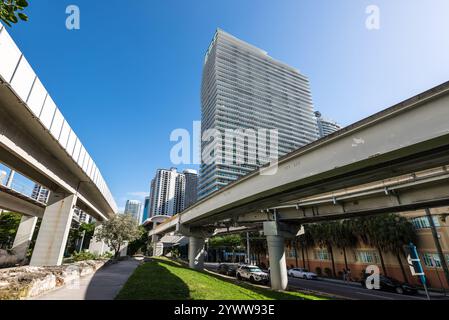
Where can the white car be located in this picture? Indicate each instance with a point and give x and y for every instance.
(252, 273)
(302, 273)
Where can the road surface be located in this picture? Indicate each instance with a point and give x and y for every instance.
(351, 291)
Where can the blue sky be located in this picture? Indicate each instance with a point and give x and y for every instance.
(132, 73)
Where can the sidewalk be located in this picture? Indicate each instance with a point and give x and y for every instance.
(102, 285)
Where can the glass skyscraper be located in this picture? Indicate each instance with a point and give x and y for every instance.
(244, 88)
(134, 208)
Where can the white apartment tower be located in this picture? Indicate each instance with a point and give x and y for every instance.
(171, 191)
(244, 88)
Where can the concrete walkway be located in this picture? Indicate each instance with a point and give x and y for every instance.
(102, 285)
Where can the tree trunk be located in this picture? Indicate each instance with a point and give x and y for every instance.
(382, 262)
(332, 260)
(404, 275)
(308, 261)
(117, 252)
(296, 255)
(345, 257)
(303, 257)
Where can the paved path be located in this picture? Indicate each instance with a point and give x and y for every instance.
(102, 285)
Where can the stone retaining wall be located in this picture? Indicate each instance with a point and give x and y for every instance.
(26, 282)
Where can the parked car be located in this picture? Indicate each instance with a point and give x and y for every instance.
(302, 273)
(228, 269)
(252, 273)
(392, 285)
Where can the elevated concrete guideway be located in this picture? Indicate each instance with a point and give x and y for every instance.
(407, 138)
(38, 142)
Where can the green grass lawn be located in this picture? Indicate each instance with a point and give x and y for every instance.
(163, 279)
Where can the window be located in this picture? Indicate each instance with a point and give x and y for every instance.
(423, 222)
(290, 252)
(321, 254)
(432, 260)
(367, 257)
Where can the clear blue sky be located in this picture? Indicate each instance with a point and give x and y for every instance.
(132, 73)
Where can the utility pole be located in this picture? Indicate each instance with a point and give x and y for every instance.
(438, 244)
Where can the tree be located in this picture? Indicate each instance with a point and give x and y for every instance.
(9, 223)
(117, 231)
(344, 238)
(233, 241)
(387, 233)
(10, 11)
(140, 244)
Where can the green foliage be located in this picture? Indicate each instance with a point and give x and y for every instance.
(117, 231)
(11, 11)
(140, 244)
(9, 223)
(231, 241)
(83, 256)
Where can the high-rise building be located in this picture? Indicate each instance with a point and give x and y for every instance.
(172, 191)
(244, 88)
(326, 126)
(146, 210)
(191, 187)
(134, 208)
(40, 193)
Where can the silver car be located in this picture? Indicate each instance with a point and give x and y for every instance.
(252, 273)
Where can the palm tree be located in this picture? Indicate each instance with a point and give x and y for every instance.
(323, 235)
(344, 237)
(400, 233)
(387, 233)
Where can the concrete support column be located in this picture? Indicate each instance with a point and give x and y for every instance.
(23, 236)
(276, 255)
(158, 247)
(196, 253)
(54, 231)
(97, 247)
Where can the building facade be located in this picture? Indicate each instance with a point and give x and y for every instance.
(191, 187)
(360, 256)
(134, 208)
(326, 126)
(243, 88)
(40, 193)
(172, 191)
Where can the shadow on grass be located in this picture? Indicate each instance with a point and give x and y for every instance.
(268, 293)
(152, 281)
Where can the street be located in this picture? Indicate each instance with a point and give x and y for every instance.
(351, 291)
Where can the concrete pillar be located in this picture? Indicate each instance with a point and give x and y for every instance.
(276, 255)
(23, 236)
(278, 266)
(196, 253)
(54, 231)
(158, 247)
(98, 247)
(10, 179)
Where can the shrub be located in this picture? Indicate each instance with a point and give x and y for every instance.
(83, 256)
(318, 271)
